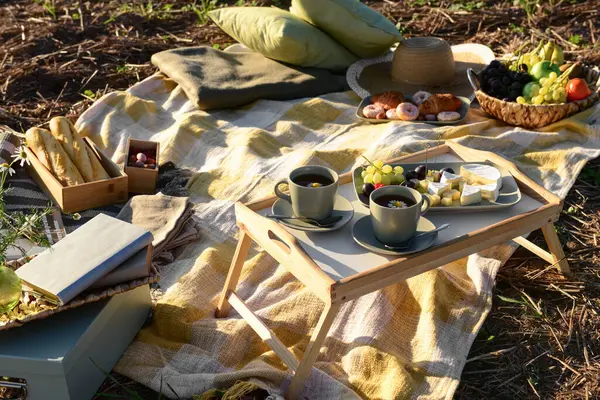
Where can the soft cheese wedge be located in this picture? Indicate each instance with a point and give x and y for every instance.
(489, 191)
(438, 188)
(470, 195)
(481, 173)
(450, 178)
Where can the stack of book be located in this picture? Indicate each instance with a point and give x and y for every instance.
(103, 252)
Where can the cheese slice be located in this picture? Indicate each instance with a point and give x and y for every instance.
(470, 195)
(450, 178)
(481, 173)
(489, 191)
(438, 188)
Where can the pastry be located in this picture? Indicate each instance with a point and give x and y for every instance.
(448, 116)
(407, 111)
(86, 162)
(420, 97)
(52, 155)
(391, 114)
(388, 100)
(438, 103)
(372, 111)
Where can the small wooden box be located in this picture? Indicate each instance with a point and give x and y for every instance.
(87, 195)
(141, 180)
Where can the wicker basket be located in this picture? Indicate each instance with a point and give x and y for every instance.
(536, 116)
(82, 299)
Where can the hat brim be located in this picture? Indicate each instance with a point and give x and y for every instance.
(370, 76)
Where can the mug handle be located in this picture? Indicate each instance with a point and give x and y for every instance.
(280, 194)
(425, 207)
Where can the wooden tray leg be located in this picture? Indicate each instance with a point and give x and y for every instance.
(312, 351)
(556, 248)
(555, 255)
(241, 252)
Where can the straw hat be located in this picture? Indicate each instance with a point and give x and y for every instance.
(420, 63)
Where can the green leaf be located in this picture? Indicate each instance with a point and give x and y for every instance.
(575, 39)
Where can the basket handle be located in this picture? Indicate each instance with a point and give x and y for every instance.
(473, 79)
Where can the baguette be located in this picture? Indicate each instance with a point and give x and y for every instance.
(84, 159)
(53, 156)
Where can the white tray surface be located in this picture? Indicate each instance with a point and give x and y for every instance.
(340, 256)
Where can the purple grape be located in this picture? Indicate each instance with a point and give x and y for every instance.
(446, 169)
(367, 188)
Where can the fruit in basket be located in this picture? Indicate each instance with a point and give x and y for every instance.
(497, 81)
(543, 69)
(577, 89)
(10, 289)
(553, 53)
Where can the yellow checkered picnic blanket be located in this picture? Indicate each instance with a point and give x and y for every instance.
(409, 340)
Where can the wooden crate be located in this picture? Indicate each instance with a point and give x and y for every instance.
(337, 270)
(141, 180)
(87, 195)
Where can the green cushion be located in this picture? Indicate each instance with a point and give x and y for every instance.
(362, 30)
(279, 35)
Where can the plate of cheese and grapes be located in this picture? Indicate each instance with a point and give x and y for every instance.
(450, 186)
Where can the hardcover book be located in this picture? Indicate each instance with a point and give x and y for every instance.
(83, 257)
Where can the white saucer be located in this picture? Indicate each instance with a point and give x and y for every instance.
(341, 207)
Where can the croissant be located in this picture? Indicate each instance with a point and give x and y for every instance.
(438, 103)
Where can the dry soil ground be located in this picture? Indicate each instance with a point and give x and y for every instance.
(542, 338)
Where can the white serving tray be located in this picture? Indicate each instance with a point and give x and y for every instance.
(340, 257)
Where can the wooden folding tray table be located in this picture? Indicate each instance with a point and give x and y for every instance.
(338, 270)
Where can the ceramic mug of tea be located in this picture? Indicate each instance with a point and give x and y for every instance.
(312, 191)
(395, 213)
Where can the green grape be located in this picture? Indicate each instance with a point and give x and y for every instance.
(556, 95)
(563, 97)
(386, 169)
(378, 164)
(368, 178)
(371, 169)
(543, 81)
(553, 75)
(543, 90)
(520, 100)
(386, 180)
(548, 97)
(399, 178)
(538, 99)
(377, 177)
(398, 169)
(362, 174)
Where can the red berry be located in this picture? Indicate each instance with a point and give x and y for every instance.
(379, 185)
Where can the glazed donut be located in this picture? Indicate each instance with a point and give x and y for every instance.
(420, 97)
(430, 117)
(391, 114)
(407, 111)
(448, 116)
(371, 111)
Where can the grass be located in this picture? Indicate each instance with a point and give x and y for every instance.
(525, 328)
